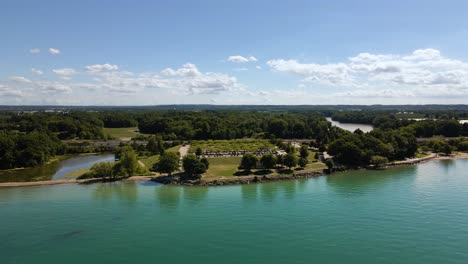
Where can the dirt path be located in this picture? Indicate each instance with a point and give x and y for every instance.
(183, 151)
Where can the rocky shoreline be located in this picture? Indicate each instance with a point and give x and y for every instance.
(223, 181)
(236, 181)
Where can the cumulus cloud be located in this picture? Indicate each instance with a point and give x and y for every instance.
(64, 71)
(53, 87)
(187, 70)
(54, 51)
(36, 71)
(239, 58)
(424, 71)
(185, 80)
(34, 51)
(20, 79)
(101, 67)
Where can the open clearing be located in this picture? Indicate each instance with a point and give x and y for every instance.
(122, 133)
(227, 167)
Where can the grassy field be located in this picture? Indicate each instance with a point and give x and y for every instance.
(222, 167)
(227, 167)
(122, 133)
(231, 145)
(150, 160)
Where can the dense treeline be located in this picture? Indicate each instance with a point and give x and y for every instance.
(118, 119)
(71, 125)
(28, 149)
(358, 149)
(236, 124)
(31, 138)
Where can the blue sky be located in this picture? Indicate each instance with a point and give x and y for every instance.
(233, 52)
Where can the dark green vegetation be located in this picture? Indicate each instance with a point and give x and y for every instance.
(27, 149)
(126, 166)
(31, 136)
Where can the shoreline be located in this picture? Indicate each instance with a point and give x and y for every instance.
(224, 181)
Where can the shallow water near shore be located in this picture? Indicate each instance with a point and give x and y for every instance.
(411, 214)
(55, 170)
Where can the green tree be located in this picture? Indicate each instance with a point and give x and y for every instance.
(102, 170)
(268, 161)
(206, 162)
(152, 146)
(289, 148)
(168, 163)
(304, 151)
(280, 159)
(290, 160)
(378, 161)
(198, 152)
(330, 164)
(192, 165)
(248, 162)
(303, 162)
(128, 162)
(447, 149)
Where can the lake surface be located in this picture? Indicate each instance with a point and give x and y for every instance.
(351, 126)
(415, 214)
(54, 170)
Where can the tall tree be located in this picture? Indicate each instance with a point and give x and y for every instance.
(268, 161)
(248, 162)
(168, 163)
(290, 160)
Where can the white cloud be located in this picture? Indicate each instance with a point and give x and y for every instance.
(239, 58)
(183, 81)
(102, 67)
(34, 51)
(20, 79)
(54, 51)
(6, 91)
(36, 71)
(64, 71)
(53, 87)
(424, 71)
(258, 67)
(187, 69)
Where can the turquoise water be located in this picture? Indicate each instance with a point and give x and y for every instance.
(54, 170)
(416, 214)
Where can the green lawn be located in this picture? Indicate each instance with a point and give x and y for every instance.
(227, 166)
(231, 145)
(122, 133)
(222, 167)
(150, 160)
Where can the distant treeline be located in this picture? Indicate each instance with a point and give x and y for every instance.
(31, 138)
(189, 125)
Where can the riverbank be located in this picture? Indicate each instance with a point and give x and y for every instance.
(225, 180)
